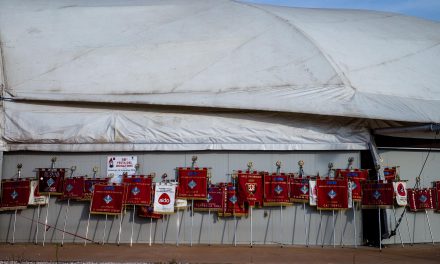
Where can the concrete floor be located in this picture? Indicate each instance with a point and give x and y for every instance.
(422, 253)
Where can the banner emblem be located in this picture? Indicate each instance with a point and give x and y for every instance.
(332, 194)
(251, 188)
(14, 195)
(164, 199)
(192, 184)
(108, 199)
(50, 182)
(401, 189)
(278, 189)
(376, 195)
(304, 189)
(135, 190)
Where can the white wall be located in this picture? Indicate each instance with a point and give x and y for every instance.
(267, 228)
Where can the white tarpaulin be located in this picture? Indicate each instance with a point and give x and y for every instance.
(104, 57)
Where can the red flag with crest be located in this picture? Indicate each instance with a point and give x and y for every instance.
(107, 199)
(214, 200)
(73, 188)
(50, 181)
(437, 194)
(299, 189)
(276, 189)
(89, 186)
(15, 194)
(356, 177)
(420, 199)
(332, 194)
(377, 195)
(231, 205)
(193, 183)
(138, 189)
(390, 174)
(250, 187)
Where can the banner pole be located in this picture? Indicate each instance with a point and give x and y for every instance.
(235, 229)
(120, 228)
(209, 227)
(334, 235)
(192, 221)
(177, 228)
(398, 230)
(105, 228)
(19, 166)
(87, 230)
(429, 225)
(380, 230)
(407, 225)
(65, 221)
(342, 229)
(38, 217)
(151, 226)
(281, 225)
(305, 224)
(320, 228)
(45, 221)
(132, 225)
(163, 231)
(250, 212)
(354, 223)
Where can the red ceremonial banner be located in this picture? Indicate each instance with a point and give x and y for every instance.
(73, 188)
(377, 195)
(437, 195)
(50, 181)
(230, 203)
(349, 174)
(214, 200)
(15, 194)
(276, 190)
(390, 174)
(193, 183)
(332, 194)
(107, 199)
(299, 189)
(89, 186)
(250, 187)
(420, 199)
(148, 212)
(138, 189)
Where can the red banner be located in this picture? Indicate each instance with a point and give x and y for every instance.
(107, 199)
(50, 181)
(138, 189)
(250, 187)
(299, 189)
(214, 200)
(89, 186)
(355, 173)
(193, 183)
(377, 195)
(15, 194)
(332, 194)
(73, 188)
(276, 190)
(230, 203)
(148, 212)
(437, 195)
(420, 199)
(390, 174)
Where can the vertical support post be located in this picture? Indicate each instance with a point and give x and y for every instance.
(306, 225)
(209, 227)
(87, 230)
(45, 221)
(429, 225)
(132, 226)
(334, 235)
(105, 228)
(66, 215)
(151, 226)
(250, 213)
(19, 166)
(320, 228)
(355, 224)
(177, 228)
(281, 225)
(38, 223)
(342, 229)
(163, 230)
(120, 228)
(380, 230)
(192, 221)
(407, 226)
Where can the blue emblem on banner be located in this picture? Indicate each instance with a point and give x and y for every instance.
(14, 195)
(209, 198)
(92, 187)
(377, 195)
(304, 189)
(331, 194)
(278, 189)
(423, 198)
(135, 190)
(50, 182)
(69, 187)
(192, 184)
(233, 199)
(108, 199)
(353, 185)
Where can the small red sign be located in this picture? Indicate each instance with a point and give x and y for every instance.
(107, 199)
(276, 190)
(420, 199)
(50, 181)
(214, 200)
(15, 194)
(377, 195)
(332, 194)
(193, 183)
(299, 189)
(89, 186)
(73, 188)
(250, 187)
(231, 205)
(138, 189)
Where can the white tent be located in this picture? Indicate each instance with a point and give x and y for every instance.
(186, 75)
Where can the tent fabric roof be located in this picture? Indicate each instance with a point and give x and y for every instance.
(223, 54)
